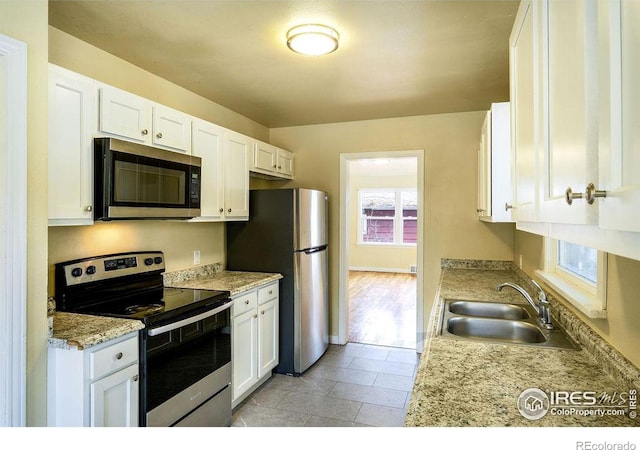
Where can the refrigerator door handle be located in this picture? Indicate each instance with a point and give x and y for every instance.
(310, 251)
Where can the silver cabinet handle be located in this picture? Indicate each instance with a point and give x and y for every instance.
(279, 167)
(274, 166)
(270, 291)
(570, 196)
(507, 206)
(479, 210)
(119, 355)
(229, 210)
(221, 210)
(135, 378)
(255, 316)
(246, 302)
(88, 208)
(144, 132)
(159, 135)
(592, 193)
(262, 312)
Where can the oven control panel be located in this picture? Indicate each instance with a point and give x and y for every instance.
(98, 268)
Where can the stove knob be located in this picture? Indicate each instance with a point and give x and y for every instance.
(76, 272)
(148, 261)
(158, 259)
(91, 270)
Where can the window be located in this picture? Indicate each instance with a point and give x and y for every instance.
(578, 273)
(388, 216)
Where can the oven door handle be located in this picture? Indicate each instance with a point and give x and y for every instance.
(189, 320)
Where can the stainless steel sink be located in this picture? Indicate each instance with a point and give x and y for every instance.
(513, 331)
(488, 309)
(500, 323)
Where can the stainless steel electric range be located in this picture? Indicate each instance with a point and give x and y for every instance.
(185, 347)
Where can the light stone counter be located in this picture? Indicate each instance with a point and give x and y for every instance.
(213, 277)
(477, 384)
(80, 331)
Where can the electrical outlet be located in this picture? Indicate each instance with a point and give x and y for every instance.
(520, 261)
(196, 257)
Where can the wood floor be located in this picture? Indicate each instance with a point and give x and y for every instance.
(382, 309)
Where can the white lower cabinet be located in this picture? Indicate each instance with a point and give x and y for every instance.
(254, 339)
(95, 387)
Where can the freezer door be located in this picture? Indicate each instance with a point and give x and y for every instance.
(310, 219)
(311, 330)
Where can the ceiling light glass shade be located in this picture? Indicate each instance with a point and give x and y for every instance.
(314, 40)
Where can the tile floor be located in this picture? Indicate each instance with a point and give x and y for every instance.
(351, 385)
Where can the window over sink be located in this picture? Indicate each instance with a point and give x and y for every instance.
(578, 273)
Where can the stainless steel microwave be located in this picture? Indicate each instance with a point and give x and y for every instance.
(134, 181)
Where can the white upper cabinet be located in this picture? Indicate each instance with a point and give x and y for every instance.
(124, 114)
(494, 166)
(207, 144)
(171, 129)
(72, 99)
(271, 161)
(575, 112)
(140, 120)
(236, 150)
(524, 107)
(619, 115)
(569, 123)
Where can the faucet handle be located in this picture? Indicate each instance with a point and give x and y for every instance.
(542, 297)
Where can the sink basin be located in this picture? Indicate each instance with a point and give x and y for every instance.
(502, 323)
(503, 330)
(488, 309)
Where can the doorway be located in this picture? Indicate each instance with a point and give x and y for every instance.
(381, 248)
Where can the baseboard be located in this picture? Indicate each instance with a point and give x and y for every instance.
(334, 340)
(379, 269)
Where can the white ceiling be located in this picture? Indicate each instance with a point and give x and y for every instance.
(396, 58)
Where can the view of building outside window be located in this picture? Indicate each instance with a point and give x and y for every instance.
(579, 260)
(389, 216)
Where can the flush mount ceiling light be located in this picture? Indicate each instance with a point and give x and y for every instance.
(312, 39)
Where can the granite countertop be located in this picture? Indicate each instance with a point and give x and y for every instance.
(477, 384)
(235, 282)
(80, 331)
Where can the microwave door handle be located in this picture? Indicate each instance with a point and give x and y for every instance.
(189, 320)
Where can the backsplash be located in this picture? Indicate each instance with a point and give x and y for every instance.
(179, 276)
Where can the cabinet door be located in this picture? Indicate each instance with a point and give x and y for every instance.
(71, 125)
(569, 125)
(171, 129)
(285, 163)
(244, 352)
(523, 61)
(620, 116)
(484, 169)
(114, 399)
(264, 157)
(268, 319)
(207, 144)
(125, 115)
(236, 176)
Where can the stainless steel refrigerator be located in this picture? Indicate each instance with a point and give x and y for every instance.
(287, 233)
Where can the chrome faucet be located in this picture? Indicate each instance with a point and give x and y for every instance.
(542, 308)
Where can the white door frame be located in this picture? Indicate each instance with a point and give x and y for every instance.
(343, 300)
(13, 231)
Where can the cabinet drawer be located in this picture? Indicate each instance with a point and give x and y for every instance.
(267, 293)
(244, 303)
(113, 357)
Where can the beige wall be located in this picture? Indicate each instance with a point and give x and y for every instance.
(27, 22)
(397, 258)
(451, 226)
(620, 328)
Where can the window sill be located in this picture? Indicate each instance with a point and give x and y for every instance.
(583, 301)
(384, 245)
